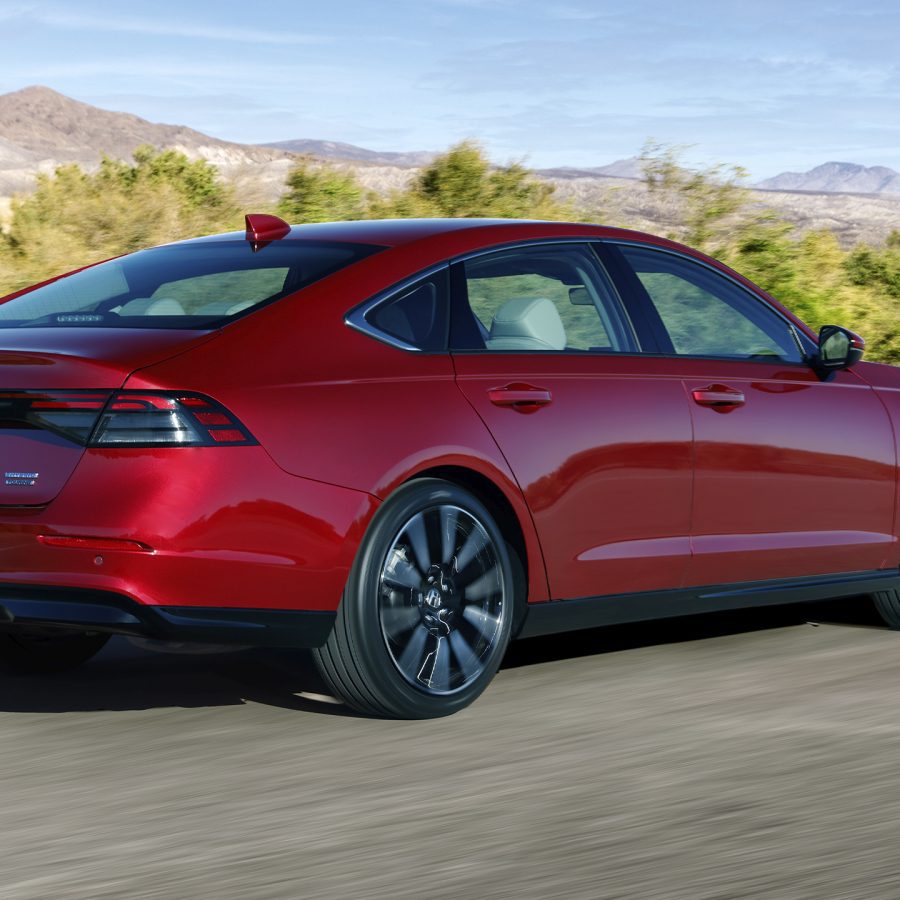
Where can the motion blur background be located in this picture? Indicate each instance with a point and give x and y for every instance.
(767, 135)
(744, 755)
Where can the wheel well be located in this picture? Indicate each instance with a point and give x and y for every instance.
(494, 499)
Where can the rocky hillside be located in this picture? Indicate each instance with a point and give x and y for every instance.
(41, 129)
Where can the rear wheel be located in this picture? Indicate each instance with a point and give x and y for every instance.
(428, 609)
(32, 651)
(888, 605)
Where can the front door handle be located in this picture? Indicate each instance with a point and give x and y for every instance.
(521, 397)
(719, 396)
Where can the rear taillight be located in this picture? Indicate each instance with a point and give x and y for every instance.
(125, 418)
(71, 414)
(156, 419)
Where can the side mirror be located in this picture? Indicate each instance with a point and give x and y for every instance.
(838, 349)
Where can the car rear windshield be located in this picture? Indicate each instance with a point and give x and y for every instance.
(190, 285)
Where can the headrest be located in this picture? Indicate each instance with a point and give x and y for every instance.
(527, 323)
(152, 306)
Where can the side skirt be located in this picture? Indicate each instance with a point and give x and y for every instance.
(592, 612)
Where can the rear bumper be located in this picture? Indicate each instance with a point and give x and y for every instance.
(221, 528)
(111, 613)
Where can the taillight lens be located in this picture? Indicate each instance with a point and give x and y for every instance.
(156, 419)
(71, 414)
(125, 418)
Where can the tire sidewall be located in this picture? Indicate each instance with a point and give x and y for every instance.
(362, 597)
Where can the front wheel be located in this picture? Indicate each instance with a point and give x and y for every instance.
(428, 609)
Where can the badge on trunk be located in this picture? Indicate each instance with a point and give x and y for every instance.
(21, 479)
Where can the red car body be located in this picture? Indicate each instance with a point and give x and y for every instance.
(638, 491)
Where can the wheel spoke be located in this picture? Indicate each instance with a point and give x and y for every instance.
(475, 543)
(485, 622)
(411, 659)
(448, 532)
(465, 655)
(485, 585)
(397, 620)
(435, 672)
(400, 572)
(442, 600)
(419, 540)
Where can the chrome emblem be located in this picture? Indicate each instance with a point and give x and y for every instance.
(21, 479)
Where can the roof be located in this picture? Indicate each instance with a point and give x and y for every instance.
(391, 232)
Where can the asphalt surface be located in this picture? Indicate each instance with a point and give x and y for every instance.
(747, 755)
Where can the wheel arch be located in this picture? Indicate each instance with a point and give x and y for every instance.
(521, 536)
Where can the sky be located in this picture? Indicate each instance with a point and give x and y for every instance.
(771, 86)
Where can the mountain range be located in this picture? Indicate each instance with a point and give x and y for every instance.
(337, 150)
(837, 178)
(41, 129)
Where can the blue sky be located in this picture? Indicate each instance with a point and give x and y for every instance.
(769, 85)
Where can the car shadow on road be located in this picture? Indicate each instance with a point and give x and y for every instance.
(124, 677)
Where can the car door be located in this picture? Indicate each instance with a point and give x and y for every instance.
(794, 476)
(598, 436)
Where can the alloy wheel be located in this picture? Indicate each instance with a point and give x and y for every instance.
(442, 599)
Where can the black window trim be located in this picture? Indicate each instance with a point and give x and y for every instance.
(805, 340)
(652, 338)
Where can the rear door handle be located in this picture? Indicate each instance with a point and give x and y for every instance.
(521, 397)
(719, 395)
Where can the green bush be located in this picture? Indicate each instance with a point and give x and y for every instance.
(75, 218)
(322, 193)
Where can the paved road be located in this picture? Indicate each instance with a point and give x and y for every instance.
(736, 756)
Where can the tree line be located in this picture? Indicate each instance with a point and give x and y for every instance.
(75, 217)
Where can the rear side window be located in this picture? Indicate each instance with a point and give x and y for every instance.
(190, 285)
(546, 298)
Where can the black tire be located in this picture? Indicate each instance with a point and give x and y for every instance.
(32, 651)
(428, 609)
(888, 605)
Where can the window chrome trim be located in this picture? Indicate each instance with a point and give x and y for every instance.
(357, 318)
(644, 245)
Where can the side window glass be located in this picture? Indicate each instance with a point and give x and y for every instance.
(706, 314)
(550, 298)
(416, 315)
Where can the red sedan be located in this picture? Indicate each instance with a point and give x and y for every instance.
(404, 443)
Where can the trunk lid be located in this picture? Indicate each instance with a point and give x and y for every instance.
(54, 383)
